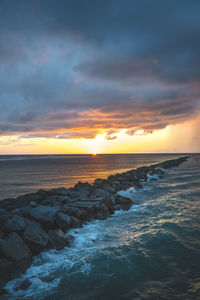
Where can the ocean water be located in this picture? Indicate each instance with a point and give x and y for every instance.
(151, 251)
(20, 174)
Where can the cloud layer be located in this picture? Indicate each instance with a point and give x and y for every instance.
(73, 69)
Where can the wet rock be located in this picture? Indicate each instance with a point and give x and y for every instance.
(75, 223)
(84, 188)
(63, 221)
(75, 212)
(8, 271)
(100, 193)
(110, 189)
(35, 237)
(2, 212)
(22, 212)
(99, 182)
(15, 223)
(57, 239)
(44, 214)
(70, 240)
(102, 213)
(33, 204)
(124, 202)
(109, 201)
(64, 199)
(50, 200)
(61, 191)
(10, 204)
(159, 171)
(42, 193)
(14, 249)
(4, 219)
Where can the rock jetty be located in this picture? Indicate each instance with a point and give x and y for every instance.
(35, 222)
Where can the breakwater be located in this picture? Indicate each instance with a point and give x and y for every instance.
(34, 222)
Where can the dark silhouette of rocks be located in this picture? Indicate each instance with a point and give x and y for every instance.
(34, 222)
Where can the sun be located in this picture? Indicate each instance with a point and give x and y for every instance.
(94, 153)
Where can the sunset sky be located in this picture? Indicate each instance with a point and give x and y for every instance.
(91, 76)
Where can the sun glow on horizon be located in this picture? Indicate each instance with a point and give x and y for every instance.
(173, 138)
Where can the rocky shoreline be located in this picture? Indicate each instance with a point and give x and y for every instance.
(35, 222)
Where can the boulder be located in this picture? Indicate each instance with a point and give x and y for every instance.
(2, 212)
(8, 271)
(75, 212)
(109, 201)
(83, 188)
(15, 223)
(99, 182)
(4, 219)
(44, 214)
(102, 212)
(22, 212)
(63, 199)
(35, 237)
(63, 221)
(50, 200)
(124, 202)
(100, 193)
(14, 249)
(110, 189)
(57, 239)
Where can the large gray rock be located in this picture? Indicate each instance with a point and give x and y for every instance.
(100, 193)
(15, 223)
(14, 248)
(63, 221)
(100, 182)
(75, 212)
(35, 237)
(109, 188)
(94, 209)
(57, 239)
(44, 214)
(109, 201)
(102, 212)
(124, 202)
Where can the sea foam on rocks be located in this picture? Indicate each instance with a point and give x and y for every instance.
(34, 222)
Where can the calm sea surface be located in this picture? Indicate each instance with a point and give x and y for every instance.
(150, 252)
(21, 174)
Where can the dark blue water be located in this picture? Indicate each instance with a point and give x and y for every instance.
(20, 174)
(149, 252)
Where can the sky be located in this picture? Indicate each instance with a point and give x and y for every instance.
(109, 76)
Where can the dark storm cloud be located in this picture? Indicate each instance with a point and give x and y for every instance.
(70, 68)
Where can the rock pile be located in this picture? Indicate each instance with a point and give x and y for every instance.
(34, 222)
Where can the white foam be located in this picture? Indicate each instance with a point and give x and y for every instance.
(45, 274)
(127, 193)
(152, 177)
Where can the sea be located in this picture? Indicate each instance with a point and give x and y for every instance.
(151, 251)
(20, 174)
